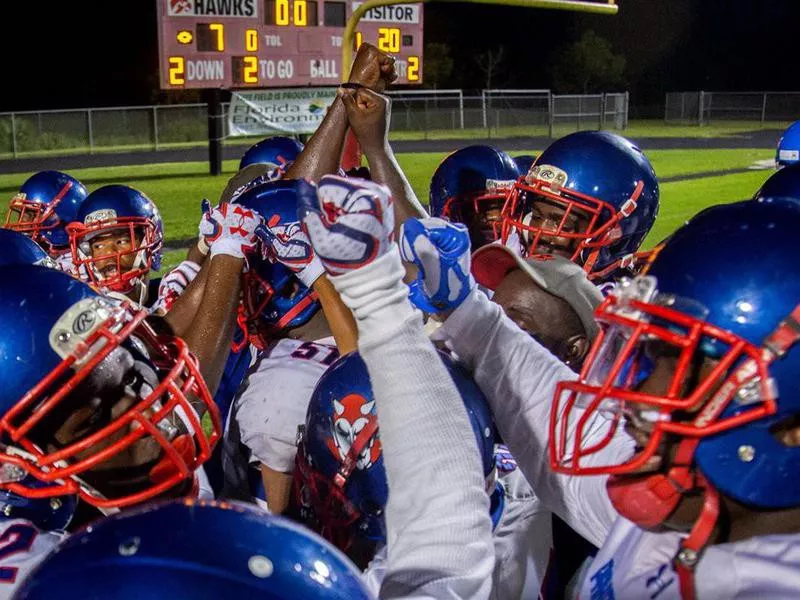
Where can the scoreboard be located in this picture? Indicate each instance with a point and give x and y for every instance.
(277, 43)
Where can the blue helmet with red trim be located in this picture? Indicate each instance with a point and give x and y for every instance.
(470, 186)
(111, 211)
(591, 196)
(788, 152)
(18, 249)
(701, 351)
(756, 306)
(45, 204)
(340, 486)
(192, 549)
(278, 152)
(67, 356)
(274, 300)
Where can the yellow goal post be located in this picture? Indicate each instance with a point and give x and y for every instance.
(608, 7)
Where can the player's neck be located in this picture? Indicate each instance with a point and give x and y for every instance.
(316, 329)
(746, 522)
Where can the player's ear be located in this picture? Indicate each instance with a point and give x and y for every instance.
(576, 349)
(788, 432)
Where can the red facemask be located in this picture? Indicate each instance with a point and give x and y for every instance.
(180, 394)
(457, 209)
(32, 218)
(598, 219)
(143, 251)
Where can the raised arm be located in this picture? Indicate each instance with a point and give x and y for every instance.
(369, 115)
(228, 232)
(439, 532)
(517, 374)
(323, 152)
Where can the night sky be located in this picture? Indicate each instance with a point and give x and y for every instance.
(669, 46)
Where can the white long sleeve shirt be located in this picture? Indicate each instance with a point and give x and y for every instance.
(439, 534)
(519, 377)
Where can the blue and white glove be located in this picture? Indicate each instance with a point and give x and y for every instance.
(350, 222)
(441, 252)
(290, 246)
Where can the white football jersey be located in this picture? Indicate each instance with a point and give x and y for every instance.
(22, 547)
(270, 405)
(634, 563)
(523, 539)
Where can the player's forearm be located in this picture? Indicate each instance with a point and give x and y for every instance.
(385, 169)
(340, 319)
(519, 378)
(184, 310)
(439, 531)
(323, 152)
(210, 334)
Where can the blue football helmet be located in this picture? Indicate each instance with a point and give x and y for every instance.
(18, 249)
(278, 152)
(273, 298)
(340, 487)
(592, 197)
(114, 211)
(781, 184)
(470, 186)
(788, 152)
(524, 163)
(45, 204)
(67, 357)
(719, 326)
(192, 549)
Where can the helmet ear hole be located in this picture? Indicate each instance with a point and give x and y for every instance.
(85, 247)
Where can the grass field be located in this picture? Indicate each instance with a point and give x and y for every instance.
(177, 188)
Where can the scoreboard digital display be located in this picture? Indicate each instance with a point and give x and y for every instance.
(277, 43)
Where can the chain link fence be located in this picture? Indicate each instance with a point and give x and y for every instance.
(102, 130)
(701, 108)
(420, 114)
(504, 113)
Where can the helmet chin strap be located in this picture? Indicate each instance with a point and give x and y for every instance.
(648, 502)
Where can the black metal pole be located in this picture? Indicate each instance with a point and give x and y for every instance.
(215, 131)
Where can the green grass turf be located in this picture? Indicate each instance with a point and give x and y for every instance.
(682, 199)
(177, 188)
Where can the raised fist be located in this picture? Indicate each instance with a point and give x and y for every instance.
(368, 114)
(372, 68)
(350, 222)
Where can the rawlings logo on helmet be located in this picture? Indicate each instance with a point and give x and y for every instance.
(352, 414)
(554, 177)
(105, 214)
